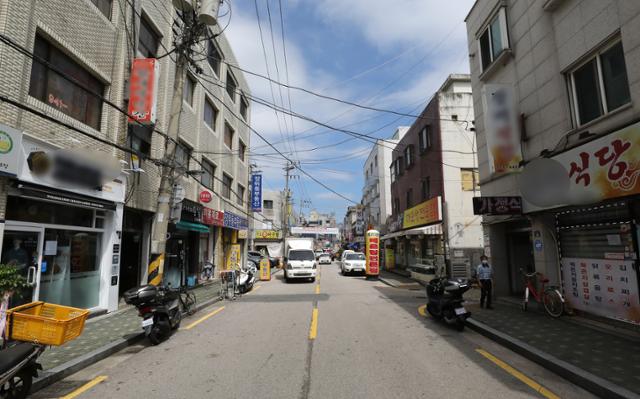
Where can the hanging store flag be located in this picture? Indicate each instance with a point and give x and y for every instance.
(143, 89)
(256, 193)
(502, 129)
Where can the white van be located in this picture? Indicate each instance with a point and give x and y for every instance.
(301, 263)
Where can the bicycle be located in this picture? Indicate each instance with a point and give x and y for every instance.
(550, 297)
(187, 300)
(207, 271)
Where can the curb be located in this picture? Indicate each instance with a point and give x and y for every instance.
(57, 373)
(581, 378)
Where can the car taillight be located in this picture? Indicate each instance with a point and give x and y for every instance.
(144, 311)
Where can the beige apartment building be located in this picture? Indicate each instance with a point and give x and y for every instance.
(84, 244)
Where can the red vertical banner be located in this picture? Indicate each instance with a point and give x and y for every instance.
(372, 252)
(143, 91)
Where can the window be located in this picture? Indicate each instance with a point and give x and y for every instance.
(69, 98)
(470, 179)
(426, 140)
(183, 153)
(409, 198)
(392, 169)
(244, 107)
(104, 6)
(399, 166)
(210, 114)
(426, 188)
(187, 90)
(226, 185)
(408, 156)
(140, 138)
(208, 177)
(494, 39)
(232, 86)
(396, 205)
(148, 40)
(267, 204)
(214, 58)
(600, 85)
(242, 149)
(240, 194)
(228, 136)
(376, 160)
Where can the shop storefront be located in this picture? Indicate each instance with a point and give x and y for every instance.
(136, 230)
(63, 232)
(268, 243)
(233, 239)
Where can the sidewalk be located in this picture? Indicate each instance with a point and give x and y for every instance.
(605, 363)
(103, 336)
(399, 281)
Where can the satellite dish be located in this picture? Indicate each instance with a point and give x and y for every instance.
(183, 5)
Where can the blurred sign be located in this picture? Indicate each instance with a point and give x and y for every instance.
(425, 213)
(267, 235)
(233, 221)
(372, 252)
(389, 258)
(143, 90)
(178, 193)
(265, 270)
(243, 234)
(497, 205)
(502, 129)
(256, 193)
(205, 196)
(10, 150)
(233, 256)
(212, 217)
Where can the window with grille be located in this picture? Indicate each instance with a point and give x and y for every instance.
(227, 181)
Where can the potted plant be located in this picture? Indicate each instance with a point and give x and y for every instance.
(11, 282)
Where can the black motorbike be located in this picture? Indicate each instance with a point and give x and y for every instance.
(18, 365)
(445, 300)
(159, 308)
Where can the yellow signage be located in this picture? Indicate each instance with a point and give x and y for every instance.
(372, 253)
(389, 259)
(242, 234)
(267, 235)
(426, 213)
(233, 257)
(265, 270)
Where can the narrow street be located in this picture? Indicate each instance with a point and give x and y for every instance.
(369, 340)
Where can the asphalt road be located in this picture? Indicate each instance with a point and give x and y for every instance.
(368, 340)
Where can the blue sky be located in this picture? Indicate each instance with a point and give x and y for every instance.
(387, 54)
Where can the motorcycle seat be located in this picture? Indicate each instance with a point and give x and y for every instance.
(11, 357)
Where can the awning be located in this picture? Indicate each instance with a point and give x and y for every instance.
(201, 228)
(434, 229)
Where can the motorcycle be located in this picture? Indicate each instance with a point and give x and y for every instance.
(445, 300)
(159, 308)
(18, 366)
(247, 277)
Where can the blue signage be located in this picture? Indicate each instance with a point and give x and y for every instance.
(256, 193)
(233, 221)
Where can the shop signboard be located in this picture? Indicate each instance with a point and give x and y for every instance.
(256, 192)
(497, 205)
(233, 221)
(10, 150)
(205, 196)
(315, 230)
(605, 168)
(372, 252)
(267, 235)
(502, 128)
(389, 258)
(233, 256)
(243, 234)
(425, 213)
(191, 211)
(265, 270)
(212, 217)
(603, 287)
(143, 89)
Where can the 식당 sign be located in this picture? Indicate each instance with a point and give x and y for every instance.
(497, 205)
(256, 193)
(425, 213)
(502, 129)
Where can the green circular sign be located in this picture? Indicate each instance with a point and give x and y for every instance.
(6, 143)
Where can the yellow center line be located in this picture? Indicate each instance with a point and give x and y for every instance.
(423, 310)
(85, 387)
(203, 318)
(531, 383)
(317, 288)
(313, 331)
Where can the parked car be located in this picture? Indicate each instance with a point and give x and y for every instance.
(344, 254)
(255, 257)
(324, 259)
(353, 262)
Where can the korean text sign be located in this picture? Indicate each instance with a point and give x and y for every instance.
(256, 193)
(604, 287)
(425, 213)
(372, 252)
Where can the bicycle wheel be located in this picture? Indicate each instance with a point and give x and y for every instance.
(552, 303)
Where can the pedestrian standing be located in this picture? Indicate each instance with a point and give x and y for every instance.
(484, 272)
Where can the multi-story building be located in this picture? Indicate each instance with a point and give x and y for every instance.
(353, 228)
(433, 181)
(376, 194)
(267, 230)
(85, 242)
(556, 88)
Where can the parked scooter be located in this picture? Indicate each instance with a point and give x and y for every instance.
(159, 308)
(445, 300)
(247, 277)
(18, 365)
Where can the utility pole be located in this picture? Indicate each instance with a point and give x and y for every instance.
(287, 194)
(194, 27)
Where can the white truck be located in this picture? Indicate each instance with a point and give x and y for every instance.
(300, 260)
